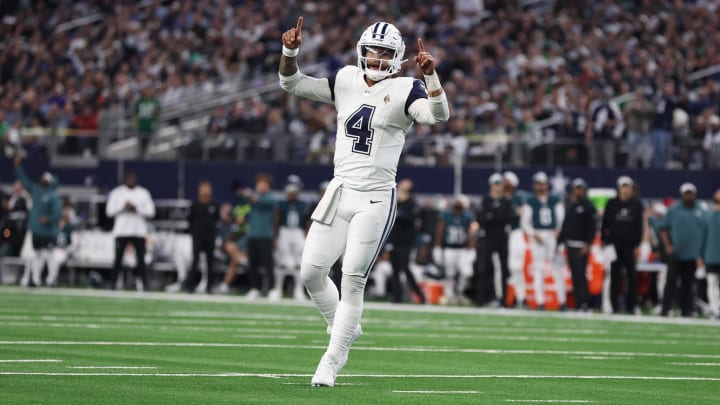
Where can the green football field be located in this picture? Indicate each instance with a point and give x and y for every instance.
(88, 346)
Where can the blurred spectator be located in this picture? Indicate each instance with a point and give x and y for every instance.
(146, 114)
(638, 115)
(86, 125)
(662, 125)
(711, 255)
(577, 234)
(260, 234)
(711, 143)
(402, 240)
(622, 227)
(605, 129)
(131, 205)
(494, 217)
(204, 217)
(542, 216)
(682, 234)
(44, 218)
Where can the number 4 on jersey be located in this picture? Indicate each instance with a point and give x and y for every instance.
(358, 128)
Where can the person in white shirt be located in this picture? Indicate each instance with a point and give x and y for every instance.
(131, 206)
(353, 219)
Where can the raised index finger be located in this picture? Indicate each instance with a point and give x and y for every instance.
(421, 48)
(299, 24)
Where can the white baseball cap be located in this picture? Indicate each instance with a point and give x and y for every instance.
(495, 178)
(47, 176)
(624, 181)
(540, 177)
(511, 178)
(688, 188)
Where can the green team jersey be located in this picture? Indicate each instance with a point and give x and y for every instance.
(686, 228)
(544, 216)
(147, 111)
(712, 238)
(518, 200)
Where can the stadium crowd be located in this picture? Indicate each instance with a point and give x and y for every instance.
(609, 83)
(475, 250)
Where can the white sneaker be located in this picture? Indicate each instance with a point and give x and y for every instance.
(253, 295)
(139, 285)
(222, 289)
(300, 295)
(275, 295)
(326, 372)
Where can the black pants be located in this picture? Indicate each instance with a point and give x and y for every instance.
(685, 271)
(625, 259)
(400, 260)
(578, 269)
(260, 255)
(485, 268)
(138, 244)
(16, 240)
(201, 245)
(42, 242)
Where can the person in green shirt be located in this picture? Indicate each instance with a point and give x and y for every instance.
(260, 239)
(682, 235)
(146, 115)
(711, 256)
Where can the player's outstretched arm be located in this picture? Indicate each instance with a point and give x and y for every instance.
(435, 109)
(291, 79)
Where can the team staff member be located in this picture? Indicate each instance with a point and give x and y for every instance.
(623, 226)
(260, 238)
(402, 239)
(204, 217)
(495, 218)
(682, 235)
(517, 243)
(711, 256)
(577, 233)
(131, 205)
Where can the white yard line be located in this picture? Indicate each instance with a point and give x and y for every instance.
(695, 364)
(549, 401)
(428, 392)
(598, 358)
(412, 349)
(129, 295)
(381, 376)
(30, 361)
(113, 367)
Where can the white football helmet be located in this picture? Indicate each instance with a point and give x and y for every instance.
(381, 35)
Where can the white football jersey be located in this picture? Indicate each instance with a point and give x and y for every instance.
(372, 121)
(371, 126)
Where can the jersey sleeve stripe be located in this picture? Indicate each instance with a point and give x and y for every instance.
(331, 83)
(418, 91)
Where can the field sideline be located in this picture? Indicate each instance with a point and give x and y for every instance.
(90, 346)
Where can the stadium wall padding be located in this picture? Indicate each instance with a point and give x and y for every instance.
(168, 179)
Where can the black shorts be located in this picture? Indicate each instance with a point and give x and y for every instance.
(42, 242)
(713, 268)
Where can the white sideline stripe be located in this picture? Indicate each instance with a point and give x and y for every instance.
(550, 401)
(695, 364)
(420, 349)
(418, 376)
(436, 392)
(30, 361)
(163, 296)
(598, 358)
(114, 367)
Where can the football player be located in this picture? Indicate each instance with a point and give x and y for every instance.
(542, 217)
(455, 249)
(291, 236)
(353, 219)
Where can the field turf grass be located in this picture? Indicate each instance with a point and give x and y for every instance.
(85, 346)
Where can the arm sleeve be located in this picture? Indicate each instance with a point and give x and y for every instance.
(309, 87)
(20, 173)
(113, 205)
(433, 110)
(55, 211)
(591, 226)
(147, 207)
(526, 220)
